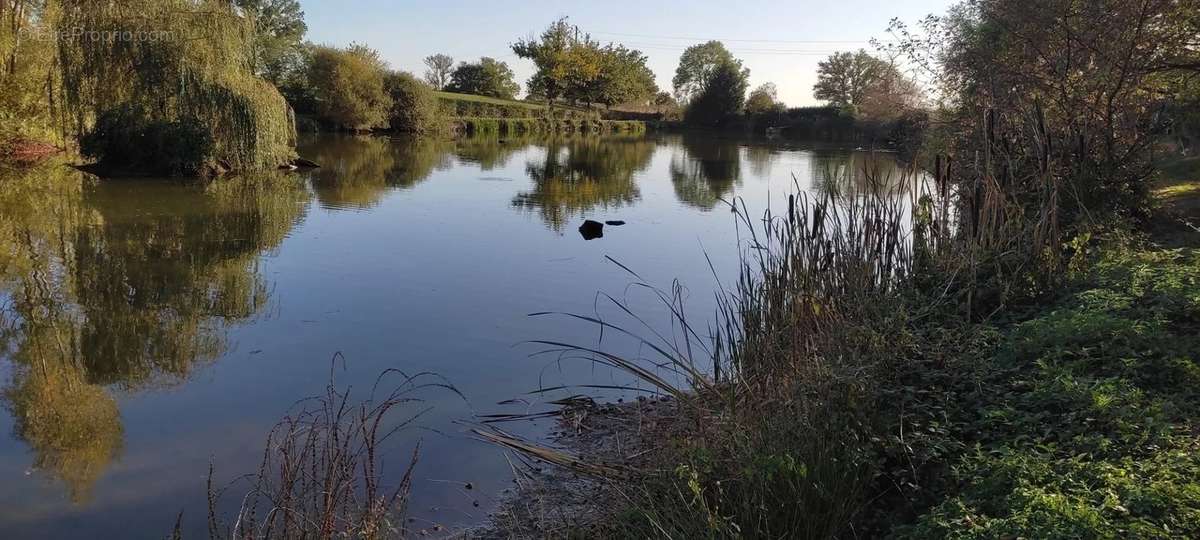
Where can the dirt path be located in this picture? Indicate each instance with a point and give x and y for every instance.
(1179, 194)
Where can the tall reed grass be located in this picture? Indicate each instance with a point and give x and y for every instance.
(321, 472)
(815, 325)
(779, 396)
(794, 424)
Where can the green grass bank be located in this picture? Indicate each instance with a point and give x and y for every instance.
(482, 115)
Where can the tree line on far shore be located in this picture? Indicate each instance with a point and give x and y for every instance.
(64, 91)
(352, 88)
(60, 91)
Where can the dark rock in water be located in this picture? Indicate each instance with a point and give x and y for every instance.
(591, 230)
(305, 163)
(614, 223)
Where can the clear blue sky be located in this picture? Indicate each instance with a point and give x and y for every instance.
(780, 41)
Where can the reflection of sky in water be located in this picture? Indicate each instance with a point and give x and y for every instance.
(164, 326)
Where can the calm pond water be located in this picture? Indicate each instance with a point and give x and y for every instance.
(149, 328)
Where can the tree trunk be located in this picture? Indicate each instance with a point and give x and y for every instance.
(18, 16)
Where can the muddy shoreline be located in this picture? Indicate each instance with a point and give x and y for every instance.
(552, 501)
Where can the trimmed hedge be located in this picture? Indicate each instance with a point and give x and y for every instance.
(520, 126)
(472, 106)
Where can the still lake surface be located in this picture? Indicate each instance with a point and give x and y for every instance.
(150, 327)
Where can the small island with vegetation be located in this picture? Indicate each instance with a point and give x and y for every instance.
(990, 332)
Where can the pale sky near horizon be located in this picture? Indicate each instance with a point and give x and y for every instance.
(781, 42)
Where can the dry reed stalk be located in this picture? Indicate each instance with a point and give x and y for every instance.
(320, 477)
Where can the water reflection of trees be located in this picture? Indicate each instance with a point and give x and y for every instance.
(122, 283)
(356, 172)
(578, 174)
(492, 152)
(705, 169)
(72, 425)
(761, 157)
(846, 173)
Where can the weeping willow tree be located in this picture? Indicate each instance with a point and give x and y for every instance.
(27, 71)
(163, 62)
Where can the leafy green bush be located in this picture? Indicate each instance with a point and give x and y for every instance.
(414, 107)
(349, 87)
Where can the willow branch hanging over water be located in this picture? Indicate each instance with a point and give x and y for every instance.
(171, 62)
